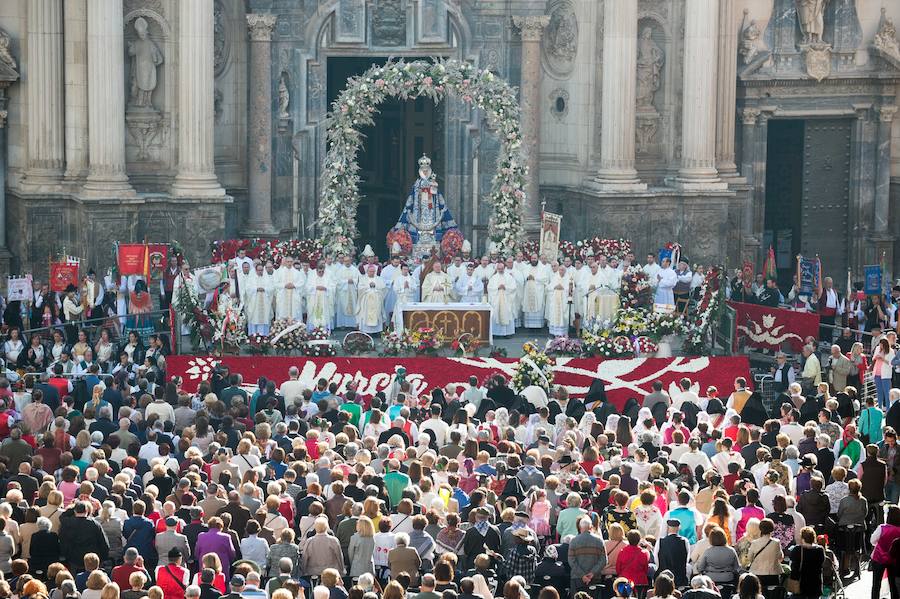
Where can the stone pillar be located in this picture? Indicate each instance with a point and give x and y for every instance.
(259, 152)
(750, 169)
(883, 169)
(76, 76)
(45, 100)
(4, 252)
(196, 91)
(727, 84)
(532, 29)
(106, 100)
(698, 131)
(617, 172)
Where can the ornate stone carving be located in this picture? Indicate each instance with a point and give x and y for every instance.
(531, 28)
(261, 26)
(886, 39)
(650, 61)
(561, 45)
(749, 116)
(6, 56)
(133, 5)
(811, 15)
(218, 108)
(389, 23)
(818, 60)
(284, 97)
(349, 23)
(645, 128)
(750, 39)
(559, 104)
(148, 130)
(221, 43)
(145, 58)
(886, 113)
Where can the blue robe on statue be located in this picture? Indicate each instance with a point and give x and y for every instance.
(425, 215)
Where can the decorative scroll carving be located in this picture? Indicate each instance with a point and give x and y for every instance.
(561, 46)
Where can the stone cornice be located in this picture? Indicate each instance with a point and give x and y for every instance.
(531, 28)
(261, 26)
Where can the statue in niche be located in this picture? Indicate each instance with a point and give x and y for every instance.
(650, 60)
(750, 35)
(284, 98)
(811, 14)
(145, 57)
(6, 56)
(886, 38)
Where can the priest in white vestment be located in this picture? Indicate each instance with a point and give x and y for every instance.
(651, 269)
(536, 277)
(289, 288)
(391, 270)
(608, 291)
(468, 287)
(406, 289)
(437, 288)
(370, 305)
(346, 280)
(319, 299)
(484, 271)
(501, 295)
(666, 279)
(258, 302)
(557, 301)
(588, 294)
(515, 269)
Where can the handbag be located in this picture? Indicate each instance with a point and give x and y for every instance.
(793, 584)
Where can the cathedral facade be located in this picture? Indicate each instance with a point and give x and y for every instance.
(725, 125)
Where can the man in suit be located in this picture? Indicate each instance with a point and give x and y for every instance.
(829, 305)
(50, 394)
(170, 538)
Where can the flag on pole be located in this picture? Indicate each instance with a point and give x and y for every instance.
(770, 269)
(63, 274)
(133, 259)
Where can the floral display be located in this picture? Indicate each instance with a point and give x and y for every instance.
(564, 346)
(355, 108)
(230, 330)
(645, 346)
(635, 291)
(393, 344)
(606, 345)
(258, 345)
(536, 365)
(187, 304)
(287, 336)
(424, 340)
(706, 311)
(597, 246)
(660, 324)
(451, 243)
(357, 343)
(304, 250)
(402, 237)
(465, 346)
(318, 345)
(631, 322)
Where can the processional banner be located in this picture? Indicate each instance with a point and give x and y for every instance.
(550, 228)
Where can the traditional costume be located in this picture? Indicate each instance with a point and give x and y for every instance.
(501, 295)
(666, 281)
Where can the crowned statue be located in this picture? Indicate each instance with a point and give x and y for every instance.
(425, 216)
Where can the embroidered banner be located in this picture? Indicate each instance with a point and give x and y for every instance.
(158, 253)
(133, 259)
(622, 378)
(550, 227)
(63, 274)
(769, 328)
(18, 288)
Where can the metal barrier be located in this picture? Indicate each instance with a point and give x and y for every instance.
(68, 375)
(114, 324)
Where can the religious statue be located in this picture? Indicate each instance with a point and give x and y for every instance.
(145, 57)
(749, 48)
(811, 14)
(284, 98)
(649, 64)
(886, 38)
(6, 56)
(425, 216)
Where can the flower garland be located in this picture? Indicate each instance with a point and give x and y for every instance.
(304, 250)
(707, 310)
(635, 290)
(355, 108)
(536, 365)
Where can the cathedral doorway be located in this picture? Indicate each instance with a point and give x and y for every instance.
(808, 194)
(403, 131)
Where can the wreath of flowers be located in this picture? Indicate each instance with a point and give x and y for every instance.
(402, 237)
(317, 344)
(393, 343)
(707, 310)
(354, 109)
(290, 342)
(536, 365)
(564, 346)
(230, 329)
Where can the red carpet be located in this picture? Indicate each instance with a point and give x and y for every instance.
(623, 378)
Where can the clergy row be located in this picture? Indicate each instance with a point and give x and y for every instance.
(530, 293)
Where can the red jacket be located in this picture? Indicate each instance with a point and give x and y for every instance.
(169, 583)
(633, 563)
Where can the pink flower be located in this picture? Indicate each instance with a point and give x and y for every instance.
(428, 81)
(467, 99)
(379, 83)
(465, 83)
(344, 108)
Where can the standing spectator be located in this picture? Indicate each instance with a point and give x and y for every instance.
(807, 563)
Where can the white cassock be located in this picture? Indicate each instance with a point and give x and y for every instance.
(533, 298)
(587, 291)
(121, 300)
(456, 271)
(405, 289)
(557, 304)
(484, 274)
(503, 319)
(387, 274)
(469, 289)
(180, 280)
(608, 292)
(319, 302)
(370, 305)
(651, 270)
(437, 288)
(346, 280)
(258, 303)
(666, 280)
(289, 301)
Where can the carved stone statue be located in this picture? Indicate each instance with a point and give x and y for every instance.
(749, 48)
(284, 98)
(886, 38)
(6, 56)
(145, 57)
(650, 60)
(811, 14)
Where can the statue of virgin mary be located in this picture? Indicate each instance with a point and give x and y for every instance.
(425, 216)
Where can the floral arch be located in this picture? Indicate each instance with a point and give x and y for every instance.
(356, 106)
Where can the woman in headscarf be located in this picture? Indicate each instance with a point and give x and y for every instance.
(530, 430)
(644, 417)
(587, 423)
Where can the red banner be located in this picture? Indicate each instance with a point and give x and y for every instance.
(622, 378)
(770, 328)
(63, 274)
(133, 259)
(157, 255)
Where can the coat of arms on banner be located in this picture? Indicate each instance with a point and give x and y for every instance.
(818, 61)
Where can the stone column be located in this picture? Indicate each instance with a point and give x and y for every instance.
(196, 90)
(4, 252)
(45, 100)
(532, 29)
(883, 169)
(698, 131)
(259, 152)
(106, 100)
(617, 172)
(725, 99)
(750, 163)
(76, 76)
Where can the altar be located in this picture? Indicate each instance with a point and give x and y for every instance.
(450, 320)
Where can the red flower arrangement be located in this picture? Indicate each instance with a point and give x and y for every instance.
(402, 237)
(451, 243)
